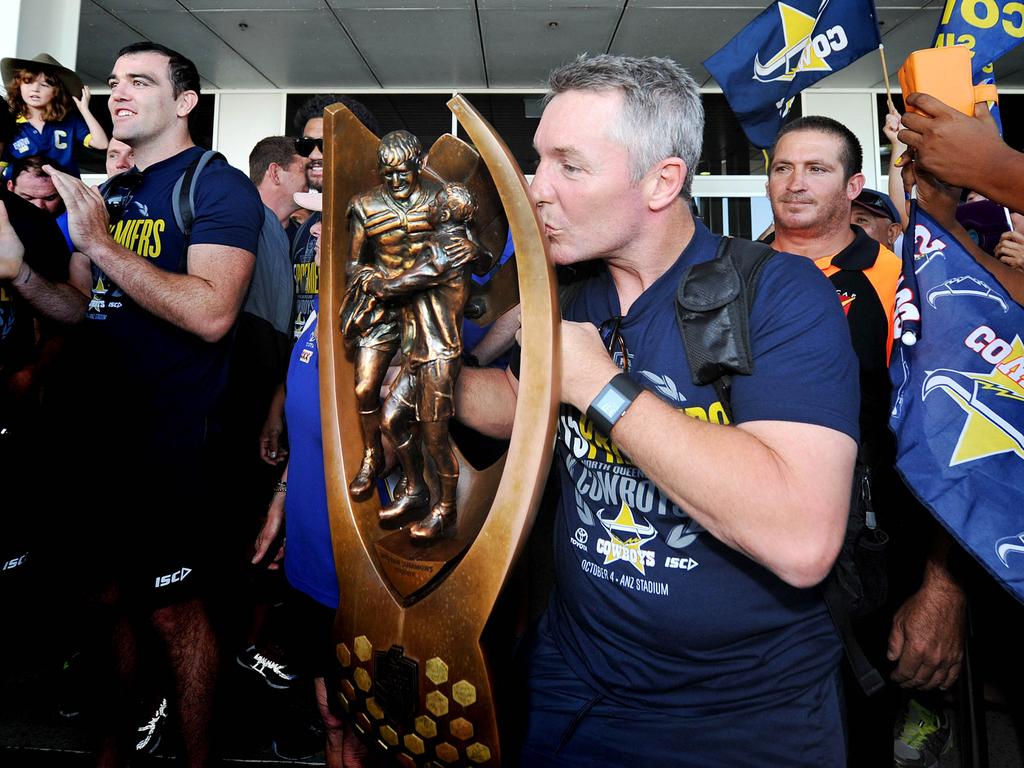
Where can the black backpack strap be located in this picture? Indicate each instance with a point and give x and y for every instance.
(713, 304)
(868, 678)
(183, 199)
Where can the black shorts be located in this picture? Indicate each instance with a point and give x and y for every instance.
(308, 642)
(142, 520)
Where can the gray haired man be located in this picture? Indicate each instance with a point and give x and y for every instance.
(683, 629)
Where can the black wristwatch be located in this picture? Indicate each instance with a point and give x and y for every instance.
(612, 401)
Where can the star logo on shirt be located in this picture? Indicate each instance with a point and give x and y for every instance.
(627, 533)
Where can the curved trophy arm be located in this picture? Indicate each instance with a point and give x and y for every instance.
(532, 443)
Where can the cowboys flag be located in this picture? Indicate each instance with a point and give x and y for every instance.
(789, 46)
(958, 398)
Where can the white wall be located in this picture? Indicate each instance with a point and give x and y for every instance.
(242, 119)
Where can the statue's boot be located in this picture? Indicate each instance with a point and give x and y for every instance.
(415, 495)
(373, 457)
(442, 516)
(405, 505)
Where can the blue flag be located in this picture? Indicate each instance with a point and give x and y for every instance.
(789, 46)
(958, 399)
(990, 32)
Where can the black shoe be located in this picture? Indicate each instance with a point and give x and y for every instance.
(151, 731)
(276, 674)
(303, 742)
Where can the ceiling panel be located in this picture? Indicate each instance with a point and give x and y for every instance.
(300, 44)
(253, 5)
(215, 60)
(688, 35)
(327, 57)
(420, 47)
(522, 46)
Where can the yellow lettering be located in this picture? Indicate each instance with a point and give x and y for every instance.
(967, 40)
(602, 442)
(947, 11)
(987, 20)
(696, 412)
(154, 251)
(4, 295)
(1013, 9)
(147, 230)
(134, 237)
(118, 232)
(716, 414)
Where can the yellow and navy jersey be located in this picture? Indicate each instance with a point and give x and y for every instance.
(58, 141)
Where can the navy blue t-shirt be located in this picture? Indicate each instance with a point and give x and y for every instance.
(309, 558)
(136, 358)
(649, 609)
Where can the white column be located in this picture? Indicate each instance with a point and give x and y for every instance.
(41, 26)
(242, 119)
(857, 112)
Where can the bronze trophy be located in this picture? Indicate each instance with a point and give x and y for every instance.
(402, 230)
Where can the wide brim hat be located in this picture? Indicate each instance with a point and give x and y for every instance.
(72, 82)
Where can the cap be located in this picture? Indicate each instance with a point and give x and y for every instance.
(878, 203)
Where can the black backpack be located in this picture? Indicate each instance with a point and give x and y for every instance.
(713, 305)
(183, 198)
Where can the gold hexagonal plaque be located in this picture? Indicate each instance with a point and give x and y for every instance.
(426, 727)
(462, 728)
(437, 704)
(344, 654)
(413, 743)
(464, 692)
(374, 709)
(362, 679)
(478, 752)
(407, 761)
(446, 752)
(437, 671)
(387, 733)
(363, 648)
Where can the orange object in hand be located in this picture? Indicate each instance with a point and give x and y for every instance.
(944, 73)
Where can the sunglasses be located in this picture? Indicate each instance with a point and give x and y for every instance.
(613, 340)
(119, 192)
(305, 146)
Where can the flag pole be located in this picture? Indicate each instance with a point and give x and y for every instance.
(885, 74)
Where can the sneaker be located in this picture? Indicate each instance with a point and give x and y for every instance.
(151, 732)
(69, 696)
(274, 673)
(305, 742)
(922, 738)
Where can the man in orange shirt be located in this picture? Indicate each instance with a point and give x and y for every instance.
(813, 180)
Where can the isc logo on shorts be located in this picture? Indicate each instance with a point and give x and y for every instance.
(171, 578)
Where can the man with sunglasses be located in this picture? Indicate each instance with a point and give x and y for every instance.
(151, 371)
(309, 120)
(682, 630)
(819, 203)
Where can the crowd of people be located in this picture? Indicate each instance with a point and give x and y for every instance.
(158, 345)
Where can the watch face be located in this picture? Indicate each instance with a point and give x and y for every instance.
(611, 401)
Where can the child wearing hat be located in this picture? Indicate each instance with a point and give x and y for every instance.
(40, 92)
